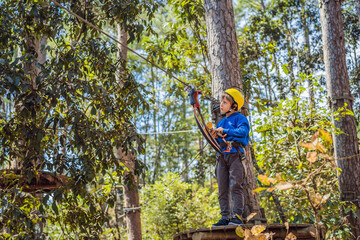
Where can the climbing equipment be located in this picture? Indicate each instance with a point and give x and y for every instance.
(237, 146)
(193, 94)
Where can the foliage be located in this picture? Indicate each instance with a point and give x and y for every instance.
(295, 152)
(172, 206)
(69, 117)
(72, 115)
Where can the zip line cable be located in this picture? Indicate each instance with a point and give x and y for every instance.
(171, 132)
(115, 40)
(188, 86)
(147, 203)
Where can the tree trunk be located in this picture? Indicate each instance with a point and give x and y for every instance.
(308, 67)
(280, 83)
(357, 6)
(35, 46)
(226, 73)
(131, 181)
(290, 59)
(337, 80)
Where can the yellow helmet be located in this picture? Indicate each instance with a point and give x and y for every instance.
(236, 96)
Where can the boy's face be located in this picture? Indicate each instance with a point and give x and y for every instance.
(224, 105)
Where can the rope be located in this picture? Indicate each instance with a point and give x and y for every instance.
(345, 158)
(115, 40)
(126, 210)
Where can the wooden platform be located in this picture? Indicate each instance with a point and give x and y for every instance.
(301, 231)
(40, 183)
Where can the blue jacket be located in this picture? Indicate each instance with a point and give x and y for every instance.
(237, 128)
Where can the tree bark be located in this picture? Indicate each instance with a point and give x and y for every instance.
(357, 6)
(308, 67)
(35, 46)
(130, 179)
(337, 80)
(226, 73)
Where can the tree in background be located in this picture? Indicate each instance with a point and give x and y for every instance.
(72, 104)
(346, 147)
(226, 73)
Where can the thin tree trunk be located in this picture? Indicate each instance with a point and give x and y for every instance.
(131, 181)
(157, 147)
(337, 79)
(226, 73)
(263, 5)
(355, 57)
(290, 60)
(279, 79)
(308, 67)
(185, 153)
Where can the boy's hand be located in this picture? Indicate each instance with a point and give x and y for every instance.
(213, 133)
(219, 131)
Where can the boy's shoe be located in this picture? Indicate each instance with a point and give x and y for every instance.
(221, 222)
(235, 221)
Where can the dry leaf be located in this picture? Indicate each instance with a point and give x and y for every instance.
(308, 146)
(257, 229)
(239, 231)
(278, 177)
(321, 147)
(290, 236)
(266, 180)
(326, 156)
(284, 186)
(317, 199)
(326, 136)
(270, 189)
(314, 138)
(272, 180)
(260, 236)
(287, 226)
(260, 189)
(250, 217)
(311, 157)
(325, 198)
(269, 235)
(247, 233)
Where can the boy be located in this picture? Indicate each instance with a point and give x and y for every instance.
(234, 129)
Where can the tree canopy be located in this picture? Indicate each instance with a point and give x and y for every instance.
(69, 116)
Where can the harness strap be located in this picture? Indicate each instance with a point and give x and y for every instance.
(237, 146)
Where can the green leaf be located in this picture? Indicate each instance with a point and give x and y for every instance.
(285, 68)
(239, 231)
(93, 110)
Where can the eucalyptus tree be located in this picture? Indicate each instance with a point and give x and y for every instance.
(75, 90)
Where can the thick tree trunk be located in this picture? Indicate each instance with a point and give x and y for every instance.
(357, 6)
(337, 80)
(226, 73)
(131, 181)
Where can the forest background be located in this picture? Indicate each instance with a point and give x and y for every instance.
(79, 113)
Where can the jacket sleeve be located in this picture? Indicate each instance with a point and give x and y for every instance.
(242, 129)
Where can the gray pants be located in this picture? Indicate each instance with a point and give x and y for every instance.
(230, 179)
